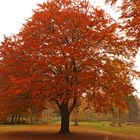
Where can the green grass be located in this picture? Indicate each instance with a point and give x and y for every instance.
(105, 126)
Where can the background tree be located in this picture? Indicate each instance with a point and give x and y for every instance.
(130, 21)
(133, 108)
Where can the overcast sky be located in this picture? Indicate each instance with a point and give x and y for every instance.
(13, 13)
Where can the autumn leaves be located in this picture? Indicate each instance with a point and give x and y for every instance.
(66, 51)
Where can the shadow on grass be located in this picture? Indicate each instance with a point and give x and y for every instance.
(49, 133)
(39, 135)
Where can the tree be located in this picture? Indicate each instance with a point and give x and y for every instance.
(76, 111)
(65, 51)
(130, 21)
(114, 91)
(133, 108)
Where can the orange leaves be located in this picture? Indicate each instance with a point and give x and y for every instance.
(131, 17)
(67, 50)
(19, 81)
(130, 20)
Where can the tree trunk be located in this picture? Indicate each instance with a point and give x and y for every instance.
(76, 115)
(98, 117)
(12, 119)
(76, 122)
(119, 118)
(36, 120)
(64, 119)
(113, 118)
(47, 120)
(31, 118)
(18, 119)
(4, 119)
(15, 120)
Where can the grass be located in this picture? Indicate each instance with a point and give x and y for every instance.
(86, 131)
(105, 126)
(20, 128)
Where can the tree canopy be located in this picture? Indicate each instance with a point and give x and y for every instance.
(67, 50)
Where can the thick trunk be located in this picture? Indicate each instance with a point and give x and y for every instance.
(64, 118)
(65, 111)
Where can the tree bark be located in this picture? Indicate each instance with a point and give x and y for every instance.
(76, 115)
(119, 118)
(18, 119)
(64, 119)
(98, 117)
(15, 120)
(31, 118)
(76, 122)
(12, 119)
(113, 118)
(4, 119)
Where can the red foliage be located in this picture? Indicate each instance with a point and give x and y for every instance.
(66, 50)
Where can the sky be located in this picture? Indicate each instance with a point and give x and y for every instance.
(13, 13)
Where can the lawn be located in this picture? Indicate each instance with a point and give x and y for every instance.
(86, 131)
(105, 126)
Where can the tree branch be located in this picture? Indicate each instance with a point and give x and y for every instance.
(73, 105)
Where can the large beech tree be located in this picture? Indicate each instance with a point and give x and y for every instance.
(65, 51)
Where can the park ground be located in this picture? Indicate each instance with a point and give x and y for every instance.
(85, 131)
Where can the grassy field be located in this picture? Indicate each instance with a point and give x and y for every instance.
(105, 126)
(86, 131)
